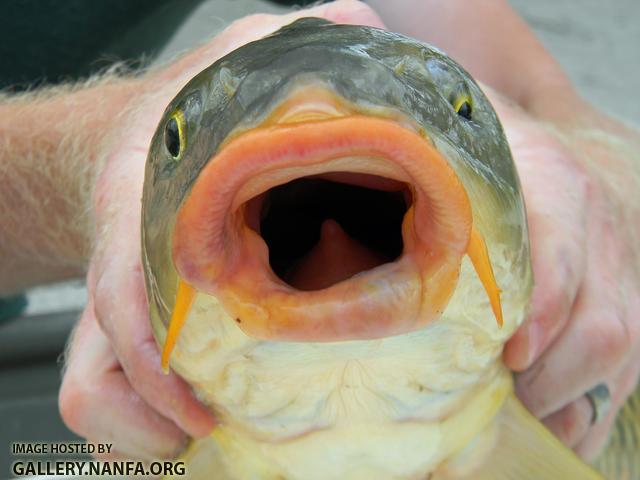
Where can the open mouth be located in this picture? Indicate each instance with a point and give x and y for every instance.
(324, 229)
(342, 228)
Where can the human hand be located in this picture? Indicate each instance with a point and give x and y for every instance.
(580, 180)
(580, 177)
(113, 389)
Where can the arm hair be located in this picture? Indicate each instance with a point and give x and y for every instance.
(53, 142)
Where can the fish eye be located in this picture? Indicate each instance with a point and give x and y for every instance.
(462, 105)
(174, 135)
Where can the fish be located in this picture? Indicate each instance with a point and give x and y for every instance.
(335, 250)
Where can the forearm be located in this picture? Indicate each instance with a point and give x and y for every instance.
(53, 141)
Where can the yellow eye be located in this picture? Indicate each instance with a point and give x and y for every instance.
(462, 105)
(174, 135)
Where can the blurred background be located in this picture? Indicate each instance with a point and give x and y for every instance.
(596, 42)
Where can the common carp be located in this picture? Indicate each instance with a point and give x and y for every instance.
(335, 249)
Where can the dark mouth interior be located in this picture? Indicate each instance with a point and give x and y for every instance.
(291, 217)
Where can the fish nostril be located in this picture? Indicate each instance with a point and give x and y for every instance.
(290, 217)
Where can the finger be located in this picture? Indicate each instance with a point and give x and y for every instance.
(596, 437)
(623, 385)
(344, 11)
(557, 224)
(597, 338)
(122, 310)
(572, 422)
(253, 27)
(97, 402)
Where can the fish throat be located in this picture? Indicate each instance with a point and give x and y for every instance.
(322, 230)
